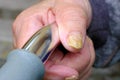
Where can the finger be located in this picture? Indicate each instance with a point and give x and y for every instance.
(60, 66)
(60, 72)
(72, 23)
(23, 32)
(81, 60)
(86, 76)
(55, 70)
(29, 22)
(92, 57)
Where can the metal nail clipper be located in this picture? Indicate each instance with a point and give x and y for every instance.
(40, 42)
(27, 63)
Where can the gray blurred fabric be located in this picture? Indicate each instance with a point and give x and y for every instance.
(108, 51)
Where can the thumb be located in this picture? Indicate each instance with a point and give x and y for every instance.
(72, 24)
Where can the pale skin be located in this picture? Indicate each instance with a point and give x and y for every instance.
(72, 18)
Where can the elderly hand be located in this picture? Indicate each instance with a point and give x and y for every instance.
(72, 19)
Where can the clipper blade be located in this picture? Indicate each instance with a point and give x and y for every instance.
(40, 42)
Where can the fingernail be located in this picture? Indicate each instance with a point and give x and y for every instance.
(75, 40)
(72, 78)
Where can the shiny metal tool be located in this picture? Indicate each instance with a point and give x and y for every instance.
(40, 43)
(22, 64)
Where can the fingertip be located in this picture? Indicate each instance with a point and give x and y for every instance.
(75, 40)
(72, 41)
(60, 72)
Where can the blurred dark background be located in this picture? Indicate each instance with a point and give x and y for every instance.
(9, 9)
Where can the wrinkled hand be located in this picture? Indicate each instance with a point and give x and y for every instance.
(72, 19)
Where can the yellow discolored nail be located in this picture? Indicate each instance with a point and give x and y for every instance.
(75, 41)
(72, 78)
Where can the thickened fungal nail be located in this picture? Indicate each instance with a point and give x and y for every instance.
(75, 41)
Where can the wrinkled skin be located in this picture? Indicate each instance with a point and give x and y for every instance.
(71, 16)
